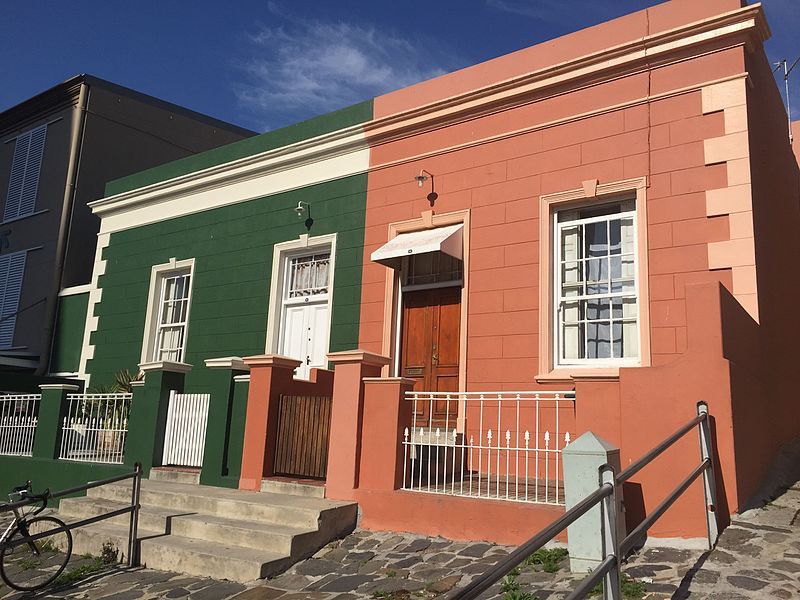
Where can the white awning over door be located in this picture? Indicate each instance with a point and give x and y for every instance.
(440, 239)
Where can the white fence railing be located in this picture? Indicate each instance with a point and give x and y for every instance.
(18, 415)
(185, 433)
(95, 428)
(495, 445)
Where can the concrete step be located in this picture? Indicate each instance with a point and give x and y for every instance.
(191, 476)
(220, 560)
(296, 511)
(151, 518)
(291, 541)
(292, 488)
(216, 532)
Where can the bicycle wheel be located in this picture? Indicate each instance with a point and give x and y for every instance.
(32, 565)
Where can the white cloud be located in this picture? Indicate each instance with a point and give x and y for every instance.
(308, 67)
(551, 11)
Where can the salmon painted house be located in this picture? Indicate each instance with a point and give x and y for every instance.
(420, 300)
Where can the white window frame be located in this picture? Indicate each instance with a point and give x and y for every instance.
(282, 254)
(558, 361)
(158, 274)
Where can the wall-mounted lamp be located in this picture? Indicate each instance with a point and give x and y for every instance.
(421, 179)
(304, 208)
(301, 208)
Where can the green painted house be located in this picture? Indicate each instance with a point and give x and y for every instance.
(249, 248)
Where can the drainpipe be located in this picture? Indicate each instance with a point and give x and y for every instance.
(51, 310)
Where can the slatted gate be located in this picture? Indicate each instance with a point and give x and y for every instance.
(301, 444)
(185, 435)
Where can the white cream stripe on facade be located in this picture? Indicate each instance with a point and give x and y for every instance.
(736, 200)
(95, 295)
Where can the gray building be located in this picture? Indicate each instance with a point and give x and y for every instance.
(57, 151)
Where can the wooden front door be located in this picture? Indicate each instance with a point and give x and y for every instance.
(431, 332)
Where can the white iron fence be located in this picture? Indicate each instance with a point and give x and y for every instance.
(18, 415)
(185, 434)
(95, 427)
(495, 445)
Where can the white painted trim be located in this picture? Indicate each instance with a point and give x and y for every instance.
(227, 362)
(69, 387)
(165, 365)
(156, 275)
(75, 290)
(95, 295)
(280, 254)
(242, 378)
(316, 160)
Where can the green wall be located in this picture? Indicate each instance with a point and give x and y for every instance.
(68, 338)
(49, 473)
(232, 247)
(352, 115)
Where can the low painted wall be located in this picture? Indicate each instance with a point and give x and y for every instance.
(455, 518)
(50, 473)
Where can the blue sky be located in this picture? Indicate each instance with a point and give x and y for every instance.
(264, 64)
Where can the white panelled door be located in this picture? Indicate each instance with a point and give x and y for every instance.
(305, 318)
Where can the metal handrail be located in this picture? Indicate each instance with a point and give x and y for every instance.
(645, 460)
(133, 509)
(606, 495)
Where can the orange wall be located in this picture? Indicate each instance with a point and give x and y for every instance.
(500, 182)
(607, 132)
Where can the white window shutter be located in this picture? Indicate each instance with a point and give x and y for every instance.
(12, 269)
(25, 168)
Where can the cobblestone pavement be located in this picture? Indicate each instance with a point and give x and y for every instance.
(757, 557)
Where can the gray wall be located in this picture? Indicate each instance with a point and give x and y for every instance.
(124, 133)
(37, 229)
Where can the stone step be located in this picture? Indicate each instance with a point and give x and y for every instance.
(151, 518)
(291, 541)
(292, 488)
(219, 560)
(191, 476)
(295, 511)
(216, 532)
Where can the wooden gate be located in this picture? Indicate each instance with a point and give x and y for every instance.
(185, 432)
(301, 444)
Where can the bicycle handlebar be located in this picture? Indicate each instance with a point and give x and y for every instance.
(24, 492)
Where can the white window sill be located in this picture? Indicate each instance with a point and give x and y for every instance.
(568, 375)
(20, 218)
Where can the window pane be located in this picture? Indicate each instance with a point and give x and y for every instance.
(570, 243)
(596, 276)
(570, 274)
(598, 344)
(596, 243)
(173, 313)
(572, 341)
(598, 309)
(615, 234)
(596, 284)
(308, 275)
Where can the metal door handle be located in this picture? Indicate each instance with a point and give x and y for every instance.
(435, 359)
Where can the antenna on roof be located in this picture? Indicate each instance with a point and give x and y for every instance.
(787, 70)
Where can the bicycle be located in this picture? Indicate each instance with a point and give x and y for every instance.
(29, 564)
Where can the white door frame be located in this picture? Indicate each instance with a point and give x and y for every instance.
(281, 254)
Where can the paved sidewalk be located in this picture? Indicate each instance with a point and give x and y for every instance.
(757, 557)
